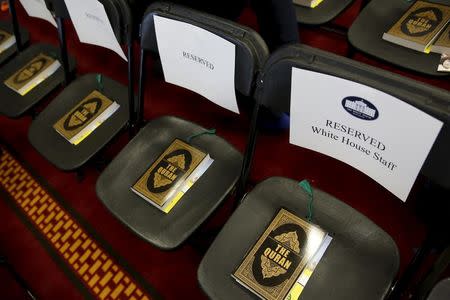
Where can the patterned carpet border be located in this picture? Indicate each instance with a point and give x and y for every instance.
(78, 247)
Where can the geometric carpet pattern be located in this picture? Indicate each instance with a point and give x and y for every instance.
(102, 276)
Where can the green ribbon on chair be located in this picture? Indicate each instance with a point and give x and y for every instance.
(207, 131)
(100, 82)
(304, 184)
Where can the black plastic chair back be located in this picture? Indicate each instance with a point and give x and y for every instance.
(118, 11)
(249, 59)
(275, 94)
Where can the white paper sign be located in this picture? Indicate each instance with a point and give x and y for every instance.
(198, 60)
(38, 9)
(374, 132)
(92, 24)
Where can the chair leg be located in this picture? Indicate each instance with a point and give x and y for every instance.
(17, 277)
(401, 285)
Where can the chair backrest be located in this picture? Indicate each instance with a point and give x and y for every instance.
(251, 50)
(121, 19)
(118, 11)
(275, 93)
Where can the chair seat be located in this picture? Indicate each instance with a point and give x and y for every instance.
(360, 263)
(58, 150)
(441, 291)
(167, 231)
(324, 13)
(14, 105)
(378, 17)
(8, 53)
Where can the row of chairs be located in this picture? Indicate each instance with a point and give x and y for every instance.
(266, 82)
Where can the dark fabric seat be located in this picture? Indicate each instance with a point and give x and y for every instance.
(362, 261)
(14, 105)
(441, 291)
(377, 17)
(47, 141)
(322, 14)
(168, 231)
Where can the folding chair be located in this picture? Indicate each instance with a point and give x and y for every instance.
(322, 14)
(20, 34)
(168, 231)
(47, 141)
(14, 105)
(441, 291)
(362, 259)
(377, 17)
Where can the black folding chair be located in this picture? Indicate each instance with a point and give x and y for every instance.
(362, 259)
(322, 14)
(441, 291)
(168, 231)
(14, 105)
(21, 34)
(377, 17)
(47, 140)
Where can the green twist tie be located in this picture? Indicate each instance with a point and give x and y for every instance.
(100, 82)
(304, 184)
(208, 131)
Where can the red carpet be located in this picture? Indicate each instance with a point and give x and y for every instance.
(173, 274)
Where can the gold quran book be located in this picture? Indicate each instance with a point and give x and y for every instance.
(308, 3)
(32, 74)
(273, 266)
(6, 40)
(419, 26)
(85, 117)
(442, 44)
(172, 174)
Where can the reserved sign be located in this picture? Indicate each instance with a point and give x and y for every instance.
(372, 131)
(198, 60)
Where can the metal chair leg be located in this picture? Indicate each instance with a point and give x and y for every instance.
(17, 277)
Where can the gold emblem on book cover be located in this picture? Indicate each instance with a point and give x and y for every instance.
(30, 71)
(270, 269)
(179, 161)
(82, 114)
(422, 21)
(290, 240)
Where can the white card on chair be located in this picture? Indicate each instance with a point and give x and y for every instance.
(92, 24)
(374, 132)
(198, 60)
(38, 9)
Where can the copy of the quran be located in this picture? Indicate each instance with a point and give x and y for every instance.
(6, 40)
(308, 3)
(32, 74)
(273, 267)
(85, 117)
(420, 26)
(172, 174)
(442, 44)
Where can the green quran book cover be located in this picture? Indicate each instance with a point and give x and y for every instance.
(419, 26)
(274, 263)
(171, 168)
(442, 44)
(82, 115)
(21, 80)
